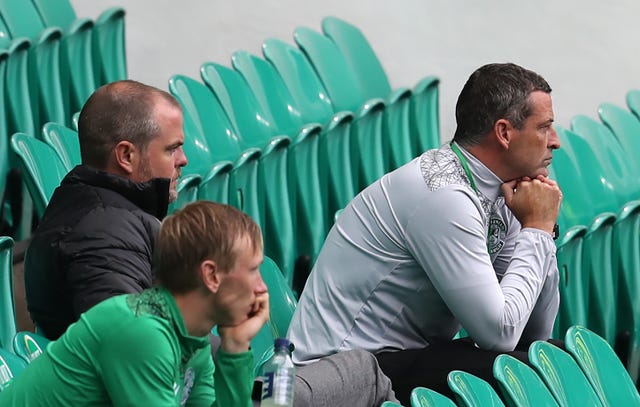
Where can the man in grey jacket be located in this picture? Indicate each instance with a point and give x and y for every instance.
(459, 237)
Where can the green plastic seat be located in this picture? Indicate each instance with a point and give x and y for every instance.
(21, 116)
(423, 397)
(282, 304)
(47, 94)
(562, 375)
(55, 13)
(256, 130)
(213, 167)
(633, 102)
(18, 87)
(605, 258)
(65, 142)
(282, 301)
(76, 49)
(109, 52)
(602, 367)
(584, 200)
(7, 307)
(187, 188)
(596, 181)
(625, 127)
(390, 404)
(472, 391)
(10, 366)
(520, 385)
(626, 240)
(305, 191)
(367, 144)
(573, 282)
(337, 179)
(29, 345)
(206, 124)
(374, 83)
(41, 167)
(262, 347)
(618, 169)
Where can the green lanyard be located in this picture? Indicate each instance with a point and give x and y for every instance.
(465, 166)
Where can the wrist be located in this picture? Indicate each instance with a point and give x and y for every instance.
(231, 345)
(544, 226)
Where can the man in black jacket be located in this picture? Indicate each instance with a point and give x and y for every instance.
(97, 234)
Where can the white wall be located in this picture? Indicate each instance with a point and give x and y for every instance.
(587, 50)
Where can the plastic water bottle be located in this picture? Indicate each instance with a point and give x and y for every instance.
(279, 376)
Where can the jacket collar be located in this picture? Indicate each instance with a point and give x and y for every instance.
(151, 196)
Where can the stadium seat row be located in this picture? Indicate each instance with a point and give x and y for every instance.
(50, 62)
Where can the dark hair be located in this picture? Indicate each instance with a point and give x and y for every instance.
(119, 111)
(200, 231)
(494, 92)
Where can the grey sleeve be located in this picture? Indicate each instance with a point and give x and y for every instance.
(447, 237)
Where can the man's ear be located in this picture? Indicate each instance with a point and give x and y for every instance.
(127, 156)
(503, 131)
(211, 275)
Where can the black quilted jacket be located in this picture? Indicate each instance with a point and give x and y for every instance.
(94, 241)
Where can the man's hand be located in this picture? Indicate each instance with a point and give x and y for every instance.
(237, 338)
(534, 202)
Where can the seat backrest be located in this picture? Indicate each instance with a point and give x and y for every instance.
(574, 279)
(562, 375)
(203, 121)
(472, 391)
(282, 301)
(618, 169)
(332, 69)
(390, 404)
(625, 126)
(633, 102)
(41, 167)
(10, 366)
(602, 367)
(251, 122)
(359, 54)
(596, 180)
(7, 307)
(270, 92)
(64, 141)
(520, 385)
(301, 80)
(58, 13)
(22, 18)
(423, 397)
(110, 58)
(29, 345)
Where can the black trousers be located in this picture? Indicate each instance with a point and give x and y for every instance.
(430, 366)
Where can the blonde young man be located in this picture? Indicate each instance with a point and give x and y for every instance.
(151, 348)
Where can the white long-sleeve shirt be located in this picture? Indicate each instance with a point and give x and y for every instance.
(418, 254)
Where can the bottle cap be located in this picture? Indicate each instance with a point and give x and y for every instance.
(282, 343)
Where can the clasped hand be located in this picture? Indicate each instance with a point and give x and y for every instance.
(534, 202)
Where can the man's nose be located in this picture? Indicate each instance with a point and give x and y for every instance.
(182, 158)
(554, 141)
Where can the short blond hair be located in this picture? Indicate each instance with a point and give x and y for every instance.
(200, 231)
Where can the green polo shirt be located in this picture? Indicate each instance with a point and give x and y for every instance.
(133, 350)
